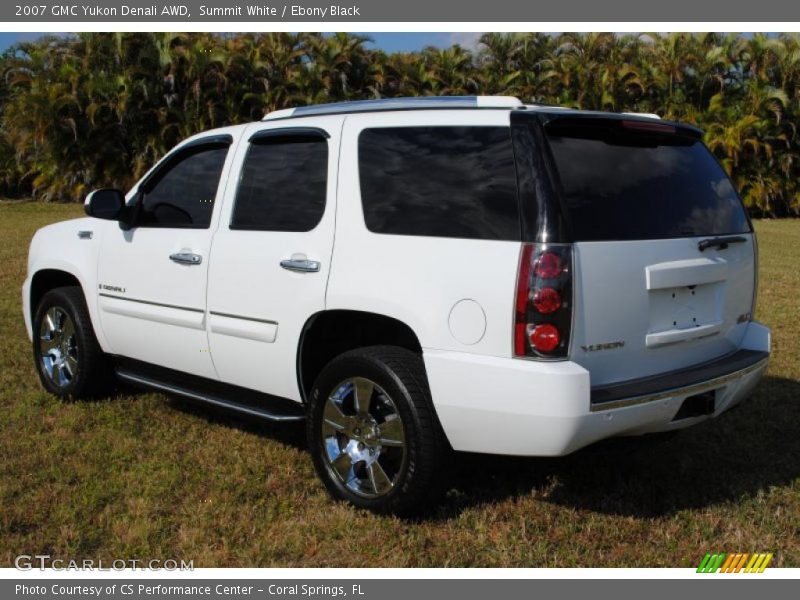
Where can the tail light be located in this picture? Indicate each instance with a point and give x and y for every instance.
(544, 337)
(546, 300)
(543, 312)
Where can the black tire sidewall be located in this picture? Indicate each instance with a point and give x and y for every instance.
(65, 300)
(361, 365)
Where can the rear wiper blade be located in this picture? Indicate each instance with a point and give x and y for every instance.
(720, 242)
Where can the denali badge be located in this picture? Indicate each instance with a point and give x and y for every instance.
(606, 346)
(111, 288)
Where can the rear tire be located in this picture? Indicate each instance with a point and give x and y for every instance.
(68, 359)
(373, 433)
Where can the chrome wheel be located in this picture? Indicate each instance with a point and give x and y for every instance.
(363, 437)
(58, 347)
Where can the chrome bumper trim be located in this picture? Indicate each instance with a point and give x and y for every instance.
(688, 390)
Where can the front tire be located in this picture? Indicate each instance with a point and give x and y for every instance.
(373, 434)
(68, 359)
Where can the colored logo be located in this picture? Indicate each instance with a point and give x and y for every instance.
(734, 563)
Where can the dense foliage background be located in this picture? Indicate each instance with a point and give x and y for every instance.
(98, 109)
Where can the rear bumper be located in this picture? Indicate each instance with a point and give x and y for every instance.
(517, 407)
(694, 380)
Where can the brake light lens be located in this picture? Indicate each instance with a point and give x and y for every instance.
(546, 300)
(647, 126)
(543, 311)
(548, 265)
(545, 337)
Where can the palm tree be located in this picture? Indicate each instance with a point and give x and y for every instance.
(671, 60)
(453, 71)
(97, 109)
(579, 60)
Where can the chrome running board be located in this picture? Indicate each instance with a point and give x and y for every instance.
(214, 400)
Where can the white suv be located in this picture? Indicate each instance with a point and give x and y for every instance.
(413, 276)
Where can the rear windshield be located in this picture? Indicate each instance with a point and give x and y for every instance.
(625, 185)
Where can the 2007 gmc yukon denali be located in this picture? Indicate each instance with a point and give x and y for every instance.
(413, 276)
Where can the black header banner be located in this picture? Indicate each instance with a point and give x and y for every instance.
(443, 11)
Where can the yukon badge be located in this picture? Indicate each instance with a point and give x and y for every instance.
(605, 346)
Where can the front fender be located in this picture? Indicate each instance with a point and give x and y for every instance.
(58, 247)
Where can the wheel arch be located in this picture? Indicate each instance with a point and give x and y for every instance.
(47, 277)
(329, 333)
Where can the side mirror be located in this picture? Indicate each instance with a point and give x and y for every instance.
(106, 203)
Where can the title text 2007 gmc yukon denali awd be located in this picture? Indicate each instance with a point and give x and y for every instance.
(413, 276)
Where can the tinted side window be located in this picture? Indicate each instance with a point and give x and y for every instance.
(283, 185)
(183, 194)
(439, 181)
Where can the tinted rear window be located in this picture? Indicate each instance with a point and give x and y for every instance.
(625, 186)
(439, 181)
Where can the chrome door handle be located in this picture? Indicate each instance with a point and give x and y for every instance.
(186, 258)
(301, 265)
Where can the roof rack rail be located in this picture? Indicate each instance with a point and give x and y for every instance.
(642, 114)
(384, 104)
(547, 105)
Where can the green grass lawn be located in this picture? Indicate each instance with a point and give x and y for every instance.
(143, 476)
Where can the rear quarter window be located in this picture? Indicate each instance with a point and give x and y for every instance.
(439, 181)
(618, 186)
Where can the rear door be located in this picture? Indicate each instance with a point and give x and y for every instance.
(271, 255)
(641, 199)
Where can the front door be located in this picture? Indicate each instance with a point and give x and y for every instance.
(152, 277)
